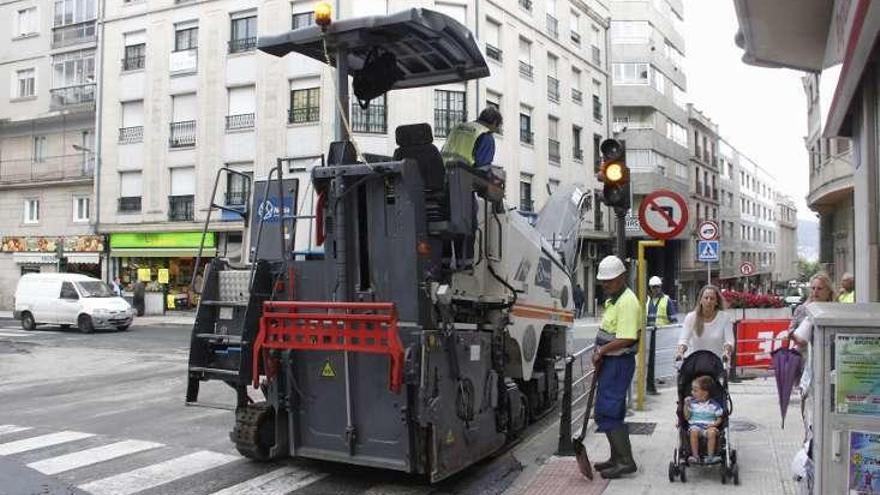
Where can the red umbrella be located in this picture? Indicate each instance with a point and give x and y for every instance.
(787, 368)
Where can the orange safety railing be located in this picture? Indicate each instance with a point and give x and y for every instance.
(331, 326)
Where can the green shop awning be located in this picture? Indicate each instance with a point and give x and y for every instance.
(161, 244)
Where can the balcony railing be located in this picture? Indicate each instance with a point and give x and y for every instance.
(71, 34)
(445, 119)
(577, 96)
(597, 55)
(553, 150)
(129, 204)
(128, 135)
(82, 94)
(133, 63)
(526, 69)
(553, 89)
(180, 208)
(240, 121)
(552, 26)
(577, 153)
(526, 4)
(183, 134)
(526, 204)
(493, 52)
(303, 115)
(576, 37)
(373, 120)
(242, 45)
(57, 168)
(526, 136)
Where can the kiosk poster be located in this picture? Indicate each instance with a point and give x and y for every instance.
(858, 374)
(864, 463)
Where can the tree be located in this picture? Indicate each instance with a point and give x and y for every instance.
(807, 268)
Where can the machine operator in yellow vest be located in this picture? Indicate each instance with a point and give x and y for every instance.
(660, 308)
(614, 358)
(472, 143)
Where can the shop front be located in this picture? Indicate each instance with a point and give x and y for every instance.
(164, 262)
(40, 254)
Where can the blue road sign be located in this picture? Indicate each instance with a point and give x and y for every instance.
(707, 251)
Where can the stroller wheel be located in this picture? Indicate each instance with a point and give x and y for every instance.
(735, 471)
(681, 475)
(671, 472)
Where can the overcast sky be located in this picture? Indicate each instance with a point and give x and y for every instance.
(761, 112)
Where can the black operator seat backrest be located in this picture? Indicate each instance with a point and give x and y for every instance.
(416, 141)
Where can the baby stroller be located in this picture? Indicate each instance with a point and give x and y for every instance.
(698, 364)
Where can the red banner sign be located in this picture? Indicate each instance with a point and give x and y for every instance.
(756, 339)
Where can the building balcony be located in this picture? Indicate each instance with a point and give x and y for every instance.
(526, 69)
(57, 168)
(493, 52)
(553, 89)
(72, 34)
(133, 63)
(242, 45)
(303, 115)
(72, 96)
(240, 121)
(131, 204)
(180, 208)
(576, 38)
(183, 134)
(526, 205)
(831, 183)
(130, 135)
(552, 26)
(184, 61)
(526, 136)
(553, 153)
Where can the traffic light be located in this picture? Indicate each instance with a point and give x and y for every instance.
(614, 174)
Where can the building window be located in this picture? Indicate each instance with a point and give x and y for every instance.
(575, 20)
(27, 83)
(40, 147)
(525, 127)
(526, 5)
(73, 79)
(244, 34)
(302, 19)
(371, 120)
(135, 57)
(554, 153)
(26, 22)
(597, 101)
(240, 108)
(186, 38)
(596, 42)
(577, 95)
(676, 133)
(81, 209)
(181, 200)
(525, 193)
(31, 211)
(631, 73)
(449, 110)
(305, 106)
(493, 40)
(525, 59)
(597, 160)
(183, 125)
(577, 150)
(630, 32)
(74, 22)
(132, 130)
(130, 192)
(237, 189)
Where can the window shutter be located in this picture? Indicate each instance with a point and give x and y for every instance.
(183, 181)
(130, 185)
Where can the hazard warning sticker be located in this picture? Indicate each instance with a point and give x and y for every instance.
(327, 370)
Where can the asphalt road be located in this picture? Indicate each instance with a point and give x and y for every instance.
(104, 414)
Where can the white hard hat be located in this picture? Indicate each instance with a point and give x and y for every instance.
(655, 281)
(610, 268)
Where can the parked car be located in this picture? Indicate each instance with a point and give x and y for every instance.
(69, 299)
(793, 298)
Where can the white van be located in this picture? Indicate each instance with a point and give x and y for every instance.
(69, 299)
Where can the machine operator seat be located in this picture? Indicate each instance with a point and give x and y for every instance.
(416, 142)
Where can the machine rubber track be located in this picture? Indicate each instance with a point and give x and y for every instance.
(254, 431)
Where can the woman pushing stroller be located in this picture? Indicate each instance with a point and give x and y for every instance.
(707, 327)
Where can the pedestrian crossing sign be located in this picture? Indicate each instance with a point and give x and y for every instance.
(707, 251)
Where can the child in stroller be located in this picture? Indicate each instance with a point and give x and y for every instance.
(703, 364)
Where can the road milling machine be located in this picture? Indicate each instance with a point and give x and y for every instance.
(421, 331)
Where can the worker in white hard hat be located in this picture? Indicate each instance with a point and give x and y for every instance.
(614, 359)
(660, 308)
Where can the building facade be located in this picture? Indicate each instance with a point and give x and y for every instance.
(786, 261)
(186, 93)
(47, 140)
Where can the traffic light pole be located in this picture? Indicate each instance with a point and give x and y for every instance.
(620, 245)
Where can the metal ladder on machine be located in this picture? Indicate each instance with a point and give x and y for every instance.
(231, 303)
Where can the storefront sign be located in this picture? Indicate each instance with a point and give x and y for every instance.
(160, 240)
(44, 244)
(864, 463)
(858, 374)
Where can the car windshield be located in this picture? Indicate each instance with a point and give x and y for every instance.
(95, 289)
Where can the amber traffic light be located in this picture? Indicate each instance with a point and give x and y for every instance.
(614, 174)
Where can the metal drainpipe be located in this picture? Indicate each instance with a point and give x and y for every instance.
(99, 104)
(477, 35)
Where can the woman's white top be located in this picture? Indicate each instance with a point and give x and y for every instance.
(804, 332)
(715, 334)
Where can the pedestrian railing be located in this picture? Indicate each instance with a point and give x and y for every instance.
(575, 389)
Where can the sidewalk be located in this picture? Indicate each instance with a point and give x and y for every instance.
(764, 452)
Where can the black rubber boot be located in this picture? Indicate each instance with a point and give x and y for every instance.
(624, 463)
(612, 460)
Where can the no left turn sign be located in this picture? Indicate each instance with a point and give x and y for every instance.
(663, 214)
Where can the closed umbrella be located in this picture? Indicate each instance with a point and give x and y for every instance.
(787, 368)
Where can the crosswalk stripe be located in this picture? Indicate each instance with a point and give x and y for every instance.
(158, 474)
(7, 429)
(68, 462)
(39, 442)
(278, 482)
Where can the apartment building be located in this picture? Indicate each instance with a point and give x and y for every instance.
(650, 114)
(47, 139)
(786, 259)
(185, 93)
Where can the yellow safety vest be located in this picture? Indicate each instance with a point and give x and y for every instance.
(460, 142)
(662, 317)
(847, 297)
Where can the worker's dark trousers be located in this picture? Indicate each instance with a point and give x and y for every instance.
(615, 376)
